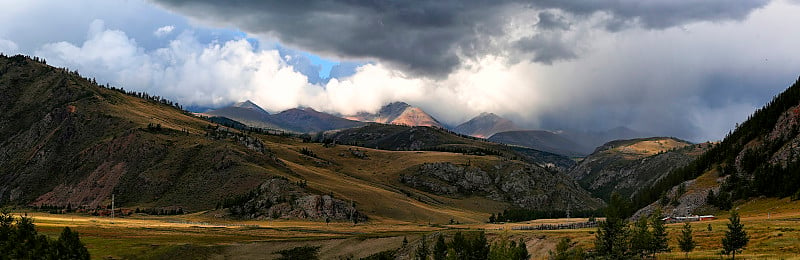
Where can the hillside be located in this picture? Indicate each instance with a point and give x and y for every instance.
(761, 157)
(404, 138)
(66, 141)
(297, 120)
(542, 140)
(485, 125)
(398, 113)
(245, 112)
(305, 120)
(625, 166)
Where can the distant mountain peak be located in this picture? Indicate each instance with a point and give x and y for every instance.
(488, 115)
(247, 104)
(485, 125)
(398, 113)
(397, 104)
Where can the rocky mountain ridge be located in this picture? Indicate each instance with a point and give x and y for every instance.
(398, 113)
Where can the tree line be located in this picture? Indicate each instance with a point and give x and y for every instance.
(20, 240)
(617, 238)
(516, 214)
(473, 245)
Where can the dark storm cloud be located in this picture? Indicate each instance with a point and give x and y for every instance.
(552, 21)
(427, 37)
(660, 14)
(547, 48)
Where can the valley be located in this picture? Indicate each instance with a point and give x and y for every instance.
(208, 186)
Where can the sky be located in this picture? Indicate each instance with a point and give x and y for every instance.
(689, 69)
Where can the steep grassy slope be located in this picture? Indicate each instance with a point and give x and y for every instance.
(65, 140)
(625, 166)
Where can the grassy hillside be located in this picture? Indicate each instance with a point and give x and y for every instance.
(405, 138)
(625, 166)
(67, 141)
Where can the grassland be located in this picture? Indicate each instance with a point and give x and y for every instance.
(773, 225)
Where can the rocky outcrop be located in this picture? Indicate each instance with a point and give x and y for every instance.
(279, 199)
(521, 184)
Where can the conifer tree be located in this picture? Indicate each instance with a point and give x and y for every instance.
(641, 238)
(422, 250)
(611, 239)
(685, 241)
(736, 237)
(440, 249)
(659, 242)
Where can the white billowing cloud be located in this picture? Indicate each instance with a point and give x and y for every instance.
(8, 47)
(693, 82)
(186, 70)
(163, 31)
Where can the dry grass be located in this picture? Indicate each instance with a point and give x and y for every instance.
(373, 183)
(650, 147)
(773, 225)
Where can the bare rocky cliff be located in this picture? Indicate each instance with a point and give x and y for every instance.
(520, 184)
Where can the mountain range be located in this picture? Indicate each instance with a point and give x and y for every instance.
(298, 120)
(486, 125)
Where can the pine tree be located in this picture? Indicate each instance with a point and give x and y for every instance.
(422, 250)
(522, 250)
(736, 237)
(659, 243)
(565, 251)
(71, 246)
(641, 239)
(685, 241)
(478, 248)
(611, 237)
(459, 245)
(440, 249)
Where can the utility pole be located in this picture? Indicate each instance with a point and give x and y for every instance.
(112, 207)
(568, 206)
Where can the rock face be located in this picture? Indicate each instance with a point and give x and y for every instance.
(485, 125)
(279, 199)
(398, 113)
(626, 166)
(520, 184)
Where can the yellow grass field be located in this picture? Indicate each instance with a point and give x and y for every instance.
(773, 226)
